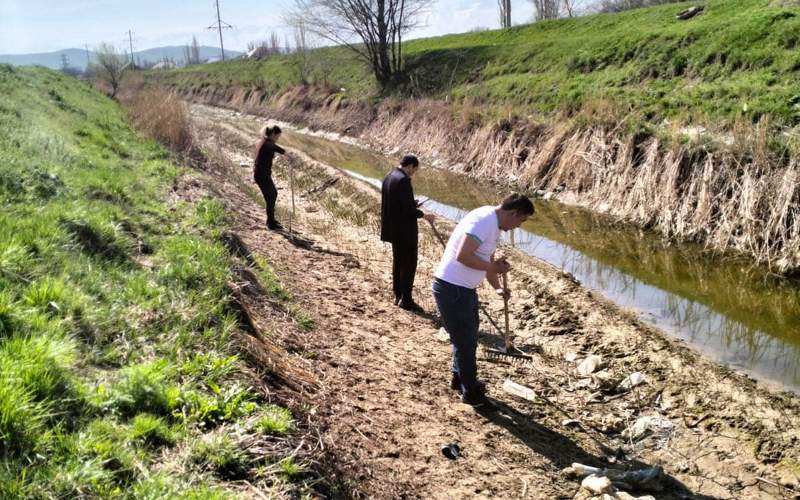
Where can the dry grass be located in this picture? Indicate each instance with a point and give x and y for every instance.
(162, 116)
(738, 198)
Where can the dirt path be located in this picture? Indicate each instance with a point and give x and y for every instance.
(384, 401)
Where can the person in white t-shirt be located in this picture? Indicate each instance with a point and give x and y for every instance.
(467, 259)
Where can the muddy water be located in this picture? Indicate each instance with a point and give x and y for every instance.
(722, 307)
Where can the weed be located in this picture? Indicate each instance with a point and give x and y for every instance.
(210, 367)
(269, 280)
(225, 405)
(222, 455)
(151, 430)
(291, 468)
(144, 388)
(274, 420)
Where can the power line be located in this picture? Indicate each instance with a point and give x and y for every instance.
(130, 42)
(221, 25)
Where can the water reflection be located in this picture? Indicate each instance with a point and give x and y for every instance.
(728, 310)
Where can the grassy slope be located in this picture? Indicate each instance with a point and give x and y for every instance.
(739, 58)
(115, 326)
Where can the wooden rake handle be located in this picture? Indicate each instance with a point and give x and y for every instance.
(507, 333)
(437, 234)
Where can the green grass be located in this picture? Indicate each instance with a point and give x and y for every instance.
(115, 319)
(738, 60)
(274, 420)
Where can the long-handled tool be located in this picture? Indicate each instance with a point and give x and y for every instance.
(507, 332)
(508, 352)
(291, 188)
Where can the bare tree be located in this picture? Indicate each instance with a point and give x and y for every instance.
(274, 43)
(378, 24)
(569, 6)
(110, 66)
(505, 13)
(301, 51)
(546, 9)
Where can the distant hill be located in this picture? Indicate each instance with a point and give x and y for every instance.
(77, 58)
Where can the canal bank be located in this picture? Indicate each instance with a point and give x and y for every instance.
(386, 370)
(735, 313)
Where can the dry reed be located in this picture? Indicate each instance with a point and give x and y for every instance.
(162, 116)
(731, 198)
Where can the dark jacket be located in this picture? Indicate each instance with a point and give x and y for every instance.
(265, 152)
(399, 212)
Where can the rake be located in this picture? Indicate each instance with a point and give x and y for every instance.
(508, 353)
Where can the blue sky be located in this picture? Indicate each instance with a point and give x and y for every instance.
(42, 26)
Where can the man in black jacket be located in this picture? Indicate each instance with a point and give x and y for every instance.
(399, 214)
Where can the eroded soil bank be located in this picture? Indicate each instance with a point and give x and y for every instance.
(383, 403)
(736, 195)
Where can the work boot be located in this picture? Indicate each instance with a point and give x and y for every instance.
(455, 382)
(477, 398)
(410, 305)
(274, 225)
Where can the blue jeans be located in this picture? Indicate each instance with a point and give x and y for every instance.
(458, 307)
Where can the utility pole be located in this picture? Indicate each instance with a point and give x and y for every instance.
(88, 57)
(64, 62)
(130, 42)
(220, 25)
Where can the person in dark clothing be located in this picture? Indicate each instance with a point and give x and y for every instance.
(262, 171)
(399, 214)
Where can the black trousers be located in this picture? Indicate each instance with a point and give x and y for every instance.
(404, 268)
(270, 193)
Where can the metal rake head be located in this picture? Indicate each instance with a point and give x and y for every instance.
(512, 355)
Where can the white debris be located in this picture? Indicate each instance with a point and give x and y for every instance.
(597, 484)
(570, 356)
(623, 495)
(518, 390)
(582, 470)
(589, 365)
(442, 335)
(648, 424)
(631, 381)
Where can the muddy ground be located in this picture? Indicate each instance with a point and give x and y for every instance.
(382, 399)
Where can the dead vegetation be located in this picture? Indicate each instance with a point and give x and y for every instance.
(728, 191)
(162, 116)
(379, 378)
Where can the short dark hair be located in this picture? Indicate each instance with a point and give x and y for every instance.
(409, 161)
(518, 203)
(275, 130)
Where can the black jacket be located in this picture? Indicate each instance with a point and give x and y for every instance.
(399, 212)
(265, 152)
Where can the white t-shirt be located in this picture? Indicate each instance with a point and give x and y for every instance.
(481, 224)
